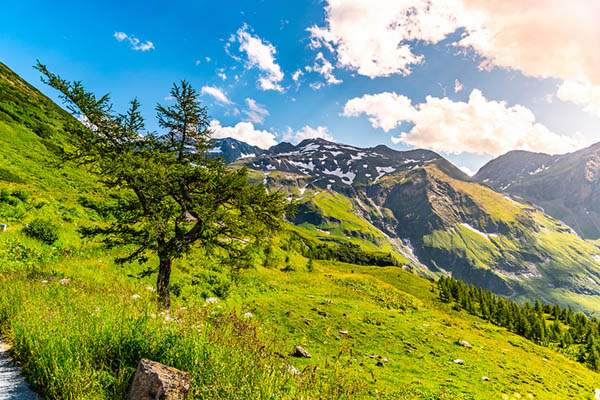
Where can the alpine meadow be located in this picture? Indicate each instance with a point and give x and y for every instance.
(324, 200)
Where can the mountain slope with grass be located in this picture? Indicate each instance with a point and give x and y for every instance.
(434, 219)
(566, 186)
(336, 283)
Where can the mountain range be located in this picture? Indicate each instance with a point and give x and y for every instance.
(437, 220)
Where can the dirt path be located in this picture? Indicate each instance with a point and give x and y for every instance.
(12, 385)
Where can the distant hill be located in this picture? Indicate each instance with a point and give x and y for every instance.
(565, 186)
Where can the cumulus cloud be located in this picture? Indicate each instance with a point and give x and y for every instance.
(478, 126)
(217, 94)
(581, 94)
(261, 55)
(550, 38)
(245, 132)
(323, 67)
(307, 132)
(256, 112)
(134, 42)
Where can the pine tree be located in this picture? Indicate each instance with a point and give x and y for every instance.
(169, 194)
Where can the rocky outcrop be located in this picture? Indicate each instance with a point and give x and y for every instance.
(155, 381)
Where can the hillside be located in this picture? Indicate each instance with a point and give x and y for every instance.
(79, 323)
(565, 186)
(438, 220)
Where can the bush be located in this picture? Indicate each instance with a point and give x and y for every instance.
(21, 195)
(42, 230)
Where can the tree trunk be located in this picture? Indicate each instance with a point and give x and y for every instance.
(162, 283)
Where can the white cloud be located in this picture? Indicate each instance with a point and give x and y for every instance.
(457, 86)
(467, 170)
(296, 75)
(479, 126)
(325, 68)
(217, 93)
(262, 56)
(308, 132)
(135, 43)
(550, 38)
(581, 94)
(245, 132)
(256, 112)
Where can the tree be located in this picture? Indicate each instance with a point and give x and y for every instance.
(170, 196)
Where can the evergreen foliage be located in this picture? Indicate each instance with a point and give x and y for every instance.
(43, 230)
(167, 194)
(547, 325)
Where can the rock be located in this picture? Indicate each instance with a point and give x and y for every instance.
(300, 352)
(247, 315)
(307, 321)
(3, 227)
(464, 343)
(65, 281)
(448, 380)
(459, 361)
(328, 301)
(153, 381)
(485, 378)
(310, 296)
(150, 289)
(597, 394)
(293, 370)
(379, 364)
(212, 300)
(343, 332)
(135, 296)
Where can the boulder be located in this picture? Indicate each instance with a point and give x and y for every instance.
(464, 343)
(155, 381)
(300, 352)
(459, 361)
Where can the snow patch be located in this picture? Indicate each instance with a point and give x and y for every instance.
(247, 155)
(215, 150)
(382, 171)
(483, 234)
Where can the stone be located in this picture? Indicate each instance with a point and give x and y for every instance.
(459, 361)
(293, 370)
(485, 378)
(247, 315)
(300, 352)
(212, 300)
(343, 332)
(464, 343)
(3, 227)
(153, 381)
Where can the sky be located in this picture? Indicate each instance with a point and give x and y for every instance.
(469, 79)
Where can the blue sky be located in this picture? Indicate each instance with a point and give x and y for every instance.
(469, 80)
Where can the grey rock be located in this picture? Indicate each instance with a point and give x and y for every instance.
(154, 381)
(300, 352)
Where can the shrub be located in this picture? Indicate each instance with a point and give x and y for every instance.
(21, 195)
(42, 230)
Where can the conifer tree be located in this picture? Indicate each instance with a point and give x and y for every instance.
(170, 194)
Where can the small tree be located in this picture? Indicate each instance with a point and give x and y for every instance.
(170, 194)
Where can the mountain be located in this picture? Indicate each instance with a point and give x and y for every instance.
(232, 149)
(565, 186)
(434, 218)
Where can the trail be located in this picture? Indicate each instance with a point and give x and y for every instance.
(12, 384)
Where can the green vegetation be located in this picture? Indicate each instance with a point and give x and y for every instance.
(169, 195)
(42, 230)
(79, 322)
(549, 325)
